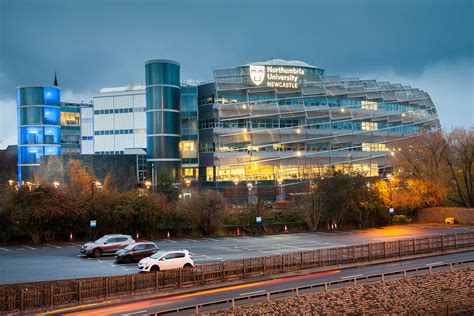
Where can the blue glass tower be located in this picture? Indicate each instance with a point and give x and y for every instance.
(39, 129)
(163, 114)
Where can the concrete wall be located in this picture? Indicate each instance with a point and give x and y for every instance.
(438, 214)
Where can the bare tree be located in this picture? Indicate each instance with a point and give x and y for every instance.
(204, 209)
(460, 160)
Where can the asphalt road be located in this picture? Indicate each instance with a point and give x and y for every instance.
(259, 287)
(38, 262)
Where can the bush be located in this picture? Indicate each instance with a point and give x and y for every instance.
(401, 220)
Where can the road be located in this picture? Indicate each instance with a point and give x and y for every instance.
(257, 287)
(52, 261)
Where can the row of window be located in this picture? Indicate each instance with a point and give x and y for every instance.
(324, 146)
(114, 132)
(87, 137)
(116, 111)
(117, 152)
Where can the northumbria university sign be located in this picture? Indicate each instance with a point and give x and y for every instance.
(276, 76)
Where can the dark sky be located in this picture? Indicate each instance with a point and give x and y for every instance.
(101, 43)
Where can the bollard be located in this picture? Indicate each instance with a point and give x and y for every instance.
(355, 281)
(383, 278)
(233, 303)
(268, 297)
(451, 266)
(431, 268)
(297, 292)
(197, 309)
(325, 287)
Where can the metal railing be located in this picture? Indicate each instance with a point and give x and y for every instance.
(326, 286)
(48, 294)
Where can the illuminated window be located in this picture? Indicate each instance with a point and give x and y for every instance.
(188, 149)
(369, 126)
(188, 172)
(209, 173)
(374, 147)
(70, 119)
(369, 105)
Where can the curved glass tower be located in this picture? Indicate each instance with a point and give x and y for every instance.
(39, 129)
(163, 115)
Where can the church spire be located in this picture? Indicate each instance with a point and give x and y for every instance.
(55, 79)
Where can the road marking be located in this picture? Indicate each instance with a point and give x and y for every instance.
(73, 243)
(29, 247)
(211, 239)
(191, 240)
(4, 249)
(352, 276)
(169, 240)
(54, 246)
(250, 293)
(139, 312)
(20, 249)
(434, 263)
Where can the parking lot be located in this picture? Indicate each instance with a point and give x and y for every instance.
(49, 261)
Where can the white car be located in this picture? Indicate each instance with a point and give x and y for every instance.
(166, 260)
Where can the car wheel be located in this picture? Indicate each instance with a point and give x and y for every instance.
(187, 266)
(97, 252)
(154, 269)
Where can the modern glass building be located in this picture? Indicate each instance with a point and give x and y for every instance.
(71, 128)
(39, 129)
(163, 115)
(280, 122)
(189, 131)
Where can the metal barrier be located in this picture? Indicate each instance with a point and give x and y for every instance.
(49, 294)
(313, 287)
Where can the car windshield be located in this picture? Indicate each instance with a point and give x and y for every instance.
(129, 247)
(101, 240)
(158, 254)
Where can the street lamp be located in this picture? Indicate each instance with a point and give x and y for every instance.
(390, 196)
(10, 182)
(187, 182)
(56, 184)
(148, 184)
(236, 182)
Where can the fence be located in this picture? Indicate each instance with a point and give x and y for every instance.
(49, 294)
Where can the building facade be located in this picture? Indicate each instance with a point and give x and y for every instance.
(87, 130)
(39, 129)
(70, 128)
(119, 119)
(280, 122)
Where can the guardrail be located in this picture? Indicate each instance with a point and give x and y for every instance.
(49, 294)
(326, 286)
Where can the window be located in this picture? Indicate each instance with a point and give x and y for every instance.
(139, 247)
(369, 126)
(369, 105)
(150, 246)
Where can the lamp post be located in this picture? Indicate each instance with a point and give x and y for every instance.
(236, 182)
(390, 196)
(56, 184)
(94, 184)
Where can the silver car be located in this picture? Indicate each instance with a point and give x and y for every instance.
(106, 244)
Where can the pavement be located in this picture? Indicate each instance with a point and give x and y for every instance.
(260, 287)
(52, 261)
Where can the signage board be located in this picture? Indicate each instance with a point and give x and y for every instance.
(258, 219)
(276, 76)
(93, 224)
(391, 210)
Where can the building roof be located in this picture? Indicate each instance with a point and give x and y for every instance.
(282, 62)
(130, 87)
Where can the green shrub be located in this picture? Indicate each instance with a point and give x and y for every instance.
(401, 220)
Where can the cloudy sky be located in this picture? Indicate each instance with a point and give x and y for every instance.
(427, 44)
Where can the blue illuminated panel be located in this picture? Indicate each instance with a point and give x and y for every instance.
(52, 96)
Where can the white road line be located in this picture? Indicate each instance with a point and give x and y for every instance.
(73, 243)
(54, 246)
(191, 240)
(352, 276)
(20, 249)
(434, 263)
(4, 249)
(29, 247)
(169, 240)
(211, 239)
(250, 293)
(139, 312)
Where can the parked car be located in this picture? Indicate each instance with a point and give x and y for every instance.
(135, 252)
(106, 244)
(166, 260)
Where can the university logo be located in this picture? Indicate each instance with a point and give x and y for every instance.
(257, 74)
